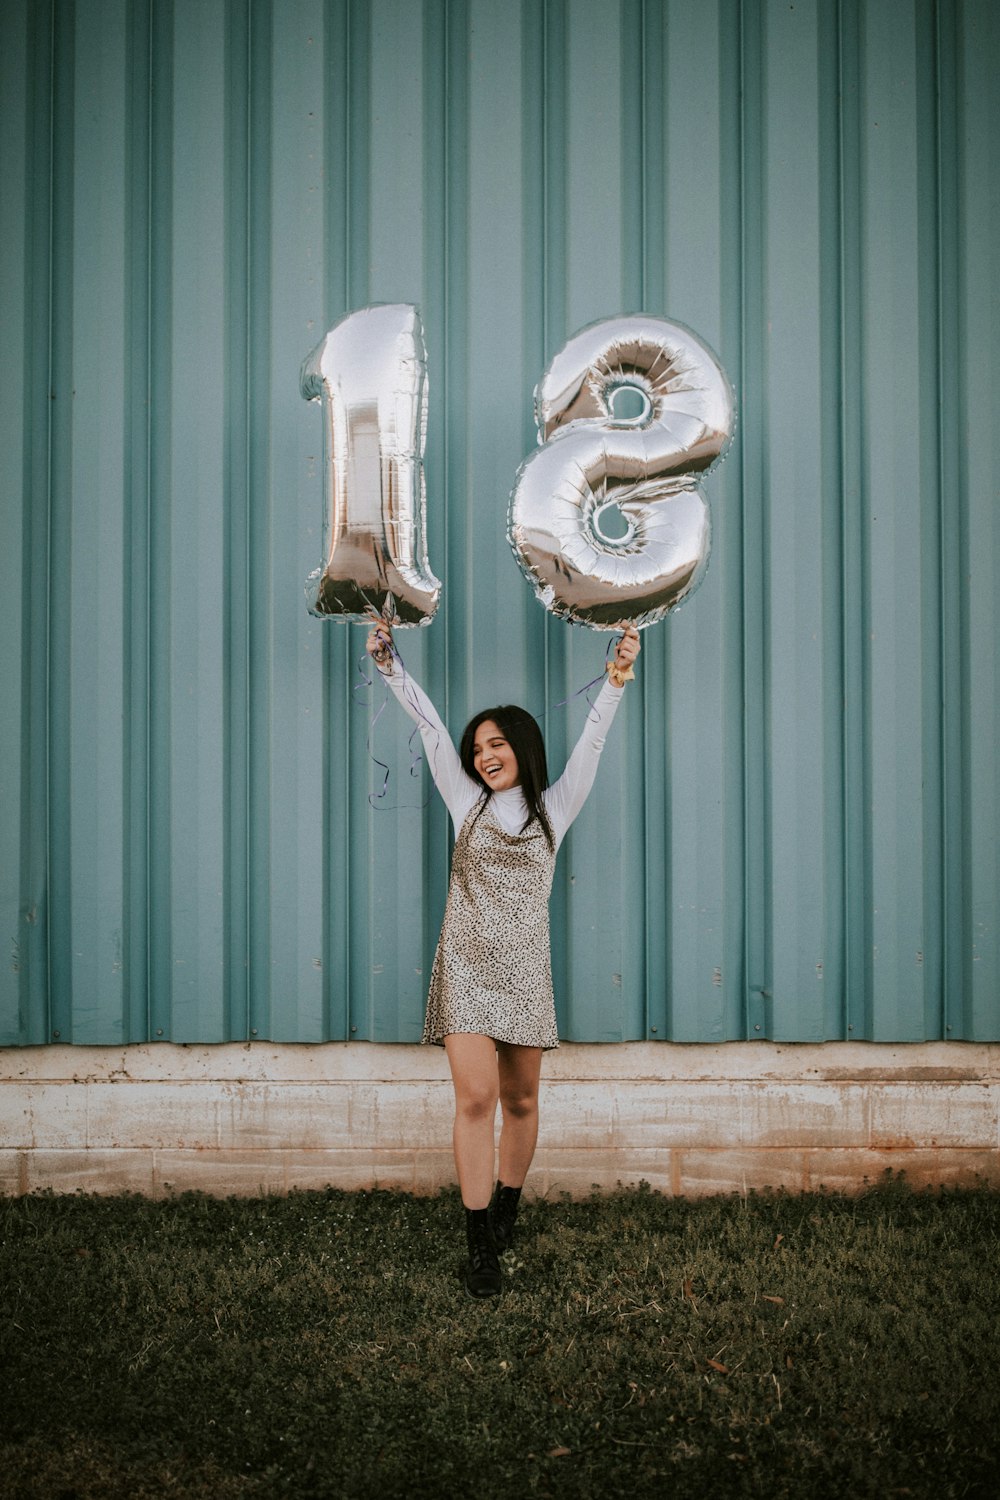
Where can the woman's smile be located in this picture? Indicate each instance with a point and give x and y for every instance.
(493, 758)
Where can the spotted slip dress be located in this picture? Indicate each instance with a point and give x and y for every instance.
(492, 970)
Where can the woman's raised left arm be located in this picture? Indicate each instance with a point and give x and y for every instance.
(565, 798)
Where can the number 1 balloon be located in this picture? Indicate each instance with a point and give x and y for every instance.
(631, 413)
(370, 373)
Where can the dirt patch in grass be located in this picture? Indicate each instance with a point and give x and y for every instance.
(320, 1345)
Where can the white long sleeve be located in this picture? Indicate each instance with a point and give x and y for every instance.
(460, 793)
(566, 797)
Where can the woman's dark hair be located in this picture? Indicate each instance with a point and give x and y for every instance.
(523, 735)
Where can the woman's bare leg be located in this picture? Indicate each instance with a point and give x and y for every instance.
(519, 1072)
(475, 1076)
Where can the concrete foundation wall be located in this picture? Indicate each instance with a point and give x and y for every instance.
(689, 1120)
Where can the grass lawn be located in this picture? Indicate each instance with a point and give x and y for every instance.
(320, 1345)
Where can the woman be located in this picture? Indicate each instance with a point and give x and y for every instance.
(491, 1003)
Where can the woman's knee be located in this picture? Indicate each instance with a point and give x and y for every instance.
(519, 1075)
(474, 1074)
(519, 1103)
(476, 1101)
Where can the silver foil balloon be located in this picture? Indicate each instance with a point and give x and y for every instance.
(370, 373)
(607, 519)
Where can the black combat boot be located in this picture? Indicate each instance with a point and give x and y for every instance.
(482, 1269)
(503, 1212)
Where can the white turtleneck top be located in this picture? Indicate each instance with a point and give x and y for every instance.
(563, 800)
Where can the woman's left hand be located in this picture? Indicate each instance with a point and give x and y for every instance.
(628, 649)
(620, 669)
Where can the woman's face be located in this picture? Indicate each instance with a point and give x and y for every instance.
(494, 760)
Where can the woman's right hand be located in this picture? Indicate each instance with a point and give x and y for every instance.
(379, 645)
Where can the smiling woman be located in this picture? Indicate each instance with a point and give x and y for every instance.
(493, 757)
(491, 1003)
(503, 748)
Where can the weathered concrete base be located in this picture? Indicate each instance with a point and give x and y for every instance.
(689, 1120)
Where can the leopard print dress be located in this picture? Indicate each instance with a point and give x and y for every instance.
(492, 970)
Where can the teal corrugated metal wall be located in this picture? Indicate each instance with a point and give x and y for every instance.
(794, 834)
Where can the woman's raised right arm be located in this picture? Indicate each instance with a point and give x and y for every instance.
(458, 792)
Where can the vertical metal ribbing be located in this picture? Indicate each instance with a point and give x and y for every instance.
(855, 573)
(753, 466)
(357, 250)
(268, 758)
(197, 536)
(243, 969)
(272, 1007)
(28, 64)
(731, 882)
(553, 326)
(40, 566)
(290, 767)
(691, 667)
(830, 991)
(793, 759)
(544, 165)
(653, 806)
(59, 506)
(937, 574)
(386, 892)
(347, 26)
(978, 41)
(634, 116)
(936, 584)
(336, 812)
(953, 525)
(136, 450)
(159, 609)
(437, 65)
(604, 990)
(900, 465)
(445, 245)
(632, 128)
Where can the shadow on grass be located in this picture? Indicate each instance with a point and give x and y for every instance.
(320, 1345)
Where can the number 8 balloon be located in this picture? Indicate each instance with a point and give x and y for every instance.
(632, 413)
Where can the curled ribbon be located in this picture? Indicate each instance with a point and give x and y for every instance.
(385, 659)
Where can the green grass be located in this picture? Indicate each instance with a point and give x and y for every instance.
(320, 1345)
